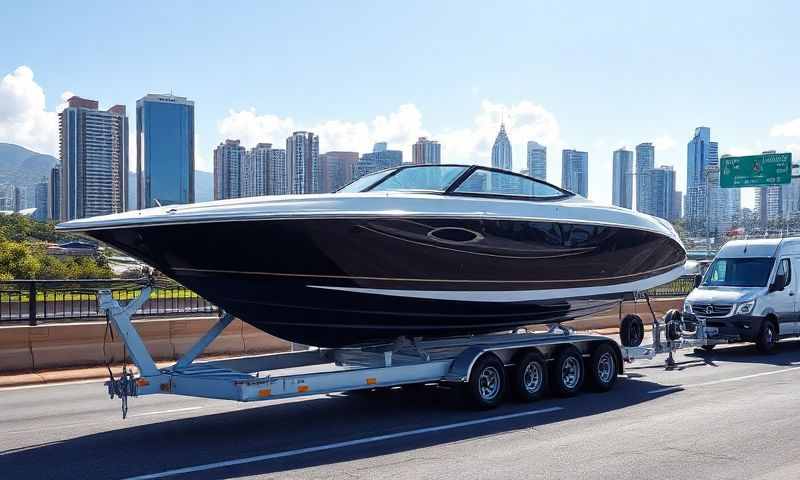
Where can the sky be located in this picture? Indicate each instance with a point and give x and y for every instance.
(594, 76)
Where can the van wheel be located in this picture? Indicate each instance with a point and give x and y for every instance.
(530, 377)
(568, 372)
(767, 337)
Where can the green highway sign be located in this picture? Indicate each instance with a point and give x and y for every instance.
(756, 170)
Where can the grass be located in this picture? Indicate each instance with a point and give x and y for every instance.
(66, 296)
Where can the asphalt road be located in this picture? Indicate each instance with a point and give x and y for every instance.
(728, 415)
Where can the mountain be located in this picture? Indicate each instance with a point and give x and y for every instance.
(203, 187)
(22, 167)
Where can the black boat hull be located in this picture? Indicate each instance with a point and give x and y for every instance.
(345, 281)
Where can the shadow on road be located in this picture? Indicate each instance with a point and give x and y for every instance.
(132, 449)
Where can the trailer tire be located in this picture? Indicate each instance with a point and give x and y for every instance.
(767, 337)
(568, 372)
(487, 382)
(631, 330)
(602, 369)
(673, 319)
(529, 381)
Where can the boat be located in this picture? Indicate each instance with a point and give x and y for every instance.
(413, 251)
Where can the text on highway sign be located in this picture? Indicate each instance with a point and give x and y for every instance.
(756, 170)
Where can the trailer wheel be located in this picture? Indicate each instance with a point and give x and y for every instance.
(568, 372)
(487, 382)
(530, 377)
(631, 330)
(767, 337)
(603, 368)
(672, 319)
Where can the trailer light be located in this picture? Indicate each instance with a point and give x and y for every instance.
(302, 388)
(372, 381)
(264, 392)
(142, 382)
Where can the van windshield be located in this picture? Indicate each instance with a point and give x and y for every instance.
(738, 272)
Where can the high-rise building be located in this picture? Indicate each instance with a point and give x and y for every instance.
(701, 152)
(661, 194)
(228, 157)
(16, 196)
(501, 151)
(54, 194)
(677, 206)
(426, 152)
(645, 161)
(94, 159)
(337, 169)
(164, 150)
(302, 156)
(622, 179)
(575, 171)
(277, 173)
(723, 205)
(537, 161)
(380, 159)
(40, 200)
(255, 173)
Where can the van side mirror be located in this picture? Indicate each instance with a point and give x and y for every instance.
(779, 284)
(697, 280)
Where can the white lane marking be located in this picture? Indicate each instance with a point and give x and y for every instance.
(724, 380)
(54, 384)
(162, 412)
(349, 443)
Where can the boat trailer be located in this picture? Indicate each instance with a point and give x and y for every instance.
(459, 360)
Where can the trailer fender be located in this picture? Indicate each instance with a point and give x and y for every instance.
(461, 367)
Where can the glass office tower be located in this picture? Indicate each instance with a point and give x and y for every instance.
(164, 150)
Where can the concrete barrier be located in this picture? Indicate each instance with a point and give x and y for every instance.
(26, 348)
(15, 349)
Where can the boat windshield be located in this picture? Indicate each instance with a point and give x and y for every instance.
(424, 178)
(365, 182)
(738, 272)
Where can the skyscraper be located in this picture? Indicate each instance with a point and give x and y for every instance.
(701, 152)
(645, 161)
(94, 159)
(426, 152)
(40, 200)
(16, 196)
(277, 173)
(302, 155)
(501, 151)
(575, 171)
(537, 161)
(228, 158)
(661, 194)
(677, 205)
(164, 150)
(380, 158)
(622, 179)
(54, 194)
(255, 174)
(337, 169)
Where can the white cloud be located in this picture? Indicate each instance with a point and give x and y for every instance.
(664, 143)
(471, 144)
(788, 129)
(24, 118)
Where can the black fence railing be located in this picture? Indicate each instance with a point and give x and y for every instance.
(31, 302)
(34, 301)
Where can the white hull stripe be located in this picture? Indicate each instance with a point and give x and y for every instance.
(518, 295)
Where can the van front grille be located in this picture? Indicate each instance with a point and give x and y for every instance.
(709, 310)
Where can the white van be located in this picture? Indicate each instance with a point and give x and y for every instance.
(749, 293)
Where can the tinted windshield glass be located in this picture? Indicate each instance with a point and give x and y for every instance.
(738, 272)
(428, 178)
(499, 183)
(364, 182)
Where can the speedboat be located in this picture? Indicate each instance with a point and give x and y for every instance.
(413, 251)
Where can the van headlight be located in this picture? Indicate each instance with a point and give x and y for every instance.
(687, 307)
(746, 308)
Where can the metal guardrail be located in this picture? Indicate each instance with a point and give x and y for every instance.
(34, 301)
